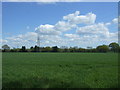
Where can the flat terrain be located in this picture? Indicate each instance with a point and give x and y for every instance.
(60, 70)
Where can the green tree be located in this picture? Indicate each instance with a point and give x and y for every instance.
(48, 49)
(23, 49)
(13, 50)
(93, 50)
(114, 47)
(119, 48)
(102, 48)
(36, 49)
(5, 48)
(81, 50)
(32, 49)
(55, 49)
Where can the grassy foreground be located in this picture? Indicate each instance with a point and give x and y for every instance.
(60, 70)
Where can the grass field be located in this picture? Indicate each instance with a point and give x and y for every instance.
(0, 70)
(60, 70)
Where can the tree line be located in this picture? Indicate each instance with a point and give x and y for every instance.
(112, 47)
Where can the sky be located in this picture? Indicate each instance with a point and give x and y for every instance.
(79, 24)
(60, 1)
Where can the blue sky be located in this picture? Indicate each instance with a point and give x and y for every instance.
(21, 18)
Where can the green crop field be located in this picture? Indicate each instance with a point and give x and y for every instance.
(60, 70)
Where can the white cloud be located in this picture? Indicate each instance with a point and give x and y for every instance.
(97, 33)
(96, 29)
(114, 35)
(75, 18)
(3, 41)
(71, 35)
(53, 40)
(47, 30)
(69, 22)
(27, 39)
(107, 24)
(64, 26)
(115, 20)
(90, 40)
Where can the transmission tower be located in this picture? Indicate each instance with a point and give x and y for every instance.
(38, 41)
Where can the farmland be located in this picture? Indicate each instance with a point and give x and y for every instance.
(60, 70)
